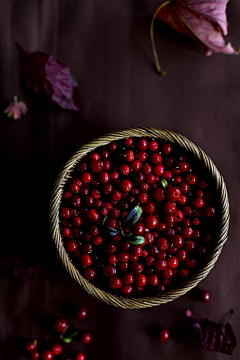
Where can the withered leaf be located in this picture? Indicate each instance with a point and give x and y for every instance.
(45, 75)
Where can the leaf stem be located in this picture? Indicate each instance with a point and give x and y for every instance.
(154, 50)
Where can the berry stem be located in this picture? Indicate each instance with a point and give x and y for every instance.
(155, 54)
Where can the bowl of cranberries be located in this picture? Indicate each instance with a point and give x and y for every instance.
(139, 216)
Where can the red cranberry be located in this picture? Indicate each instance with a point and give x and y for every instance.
(80, 356)
(126, 290)
(141, 144)
(65, 213)
(115, 282)
(34, 355)
(167, 273)
(158, 170)
(124, 169)
(155, 158)
(187, 232)
(85, 260)
(153, 145)
(162, 243)
(181, 255)
(141, 280)
(128, 279)
(149, 207)
(86, 338)
(81, 313)
(151, 222)
(136, 268)
(166, 148)
(159, 194)
(71, 245)
(136, 165)
(93, 215)
(86, 177)
(191, 179)
(183, 273)
(169, 207)
(204, 296)
(173, 193)
(198, 202)
(191, 263)
(153, 280)
(172, 262)
(89, 274)
(31, 345)
(163, 335)
(161, 264)
(56, 349)
(177, 240)
(150, 260)
(47, 355)
(60, 325)
(109, 270)
(96, 166)
(209, 211)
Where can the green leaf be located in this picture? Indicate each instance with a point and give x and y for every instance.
(164, 183)
(110, 231)
(67, 340)
(136, 240)
(35, 343)
(132, 217)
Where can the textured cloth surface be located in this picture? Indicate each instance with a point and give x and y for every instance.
(106, 44)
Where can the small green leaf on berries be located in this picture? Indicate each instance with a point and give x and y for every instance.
(136, 240)
(67, 340)
(164, 183)
(110, 231)
(132, 217)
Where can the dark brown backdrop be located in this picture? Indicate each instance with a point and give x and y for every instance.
(106, 44)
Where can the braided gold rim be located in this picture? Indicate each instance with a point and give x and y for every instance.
(55, 203)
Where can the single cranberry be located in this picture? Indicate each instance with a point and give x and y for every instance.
(151, 222)
(123, 256)
(56, 349)
(155, 158)
(71, 245)
(93, 215)
(81, 313)
(178, 215)
(150, 260)
(136, 268)
(86, 338)
(170, 207)
(167, 273)
(76, 201)
(153, 280)
(161, 226)
(160, 264)
(124, 169)
(107, 165)
(201, 250)
(209, 211)
(169, 219)
(126, 290)
(162, 254)
(160, 288)
(138, 228)
(114, 175)
(184, 187)
(136, 250)
(112, 146)
(187, 232)
(139, 177)
(89, 274)
(173, 193)
(198, 202)
(204, 296)
(115, 282)
(202, 184)
(141, 144)
(150, 178)
(149, 207)
(60, 325)
(183, 166)
(162, 243)
(191, 179)
(104, 177)
(182, 200)
(128, 142)
(96, 166)
(144, 254)
(109, 270)
(163, 335)
(149, 238)
(128, 279)
(186, 222)
(74, 188)
(31, 345)
(172, 262)
(172, 250)
(166, 148)
(80, 356)
(143, 198)
(159, 194)
(126, 185)
(47, 355)
(65, 213)
(141, 280)
(67, 195)
(181, 255)
(84, 191)
(86, 177)
(136, 165)
(85, 260)
(158, 170)
(34, 355)
(176, 170)
(187, 210)
(153, 145)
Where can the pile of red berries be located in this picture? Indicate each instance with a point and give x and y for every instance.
(61, 327)
(168, 200)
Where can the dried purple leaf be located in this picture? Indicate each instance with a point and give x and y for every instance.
(45, 75)
(208, 335)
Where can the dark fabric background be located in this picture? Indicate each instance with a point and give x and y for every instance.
(106, 44)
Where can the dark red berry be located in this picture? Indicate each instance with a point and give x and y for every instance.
(86, 338)
(56, 349)
(80, 356)
(163, 335)
(31, 345)
(34, 355)
(60, 325)
(47, 355)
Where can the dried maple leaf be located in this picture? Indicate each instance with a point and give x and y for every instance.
(46, 76)
(208, 335)
(203, 20)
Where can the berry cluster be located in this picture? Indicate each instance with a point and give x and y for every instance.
(61, 326)
(167, 240)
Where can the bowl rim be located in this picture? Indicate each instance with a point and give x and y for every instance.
(203, 271)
